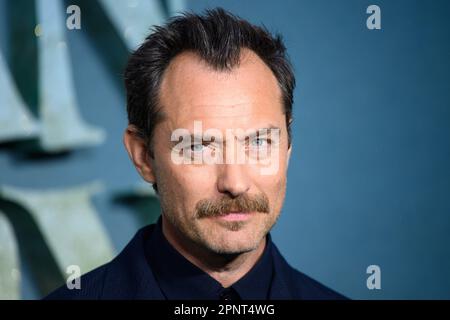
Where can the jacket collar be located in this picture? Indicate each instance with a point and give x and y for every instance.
(129, 275)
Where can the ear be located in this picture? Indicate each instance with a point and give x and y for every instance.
(138, 154)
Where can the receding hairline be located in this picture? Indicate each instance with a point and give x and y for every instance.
(247, 56)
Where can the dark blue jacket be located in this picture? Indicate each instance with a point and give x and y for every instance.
(129, 276)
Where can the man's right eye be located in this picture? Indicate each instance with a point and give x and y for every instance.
(197, 147)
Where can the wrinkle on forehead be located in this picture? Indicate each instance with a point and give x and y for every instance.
(234, 110)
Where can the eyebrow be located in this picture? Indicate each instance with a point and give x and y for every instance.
(192, 138)
(264, 130)
(251, 133)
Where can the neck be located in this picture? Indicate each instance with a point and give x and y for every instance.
(226, 269)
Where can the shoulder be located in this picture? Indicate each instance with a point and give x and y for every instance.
(300, 285)
(310, 289)
(127, 276)
(91, 287)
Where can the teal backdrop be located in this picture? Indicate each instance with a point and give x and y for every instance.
(369, 177)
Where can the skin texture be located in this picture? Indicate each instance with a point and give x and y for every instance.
(247, 97)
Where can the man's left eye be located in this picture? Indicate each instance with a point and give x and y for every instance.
(259, 142)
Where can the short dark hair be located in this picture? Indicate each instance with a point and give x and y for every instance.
(217, 37)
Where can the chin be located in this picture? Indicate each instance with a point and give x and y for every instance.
(225, 237)
(232, 249)
(233, 242)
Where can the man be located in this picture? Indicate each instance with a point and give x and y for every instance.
(209, 101)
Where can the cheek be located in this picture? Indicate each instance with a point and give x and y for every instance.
(274, 187)
(185, 185)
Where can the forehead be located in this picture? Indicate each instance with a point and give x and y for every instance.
(193, 90)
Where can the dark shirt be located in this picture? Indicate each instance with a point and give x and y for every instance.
(178, 278)
(132, 275)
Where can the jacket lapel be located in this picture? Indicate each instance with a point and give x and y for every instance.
(129, 275)
(280, 289)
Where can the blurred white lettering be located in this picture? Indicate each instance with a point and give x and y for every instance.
(374, 280)
(74, 20)
(374, 20)
(73, 281)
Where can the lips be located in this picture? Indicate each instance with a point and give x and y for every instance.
(236, 216)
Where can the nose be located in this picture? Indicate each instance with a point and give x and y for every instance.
(233, 180)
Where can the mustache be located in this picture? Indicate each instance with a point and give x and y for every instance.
(243, 203)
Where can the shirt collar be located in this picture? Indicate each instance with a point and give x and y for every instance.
(179, 279)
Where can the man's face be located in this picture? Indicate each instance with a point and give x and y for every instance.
(195, 197)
